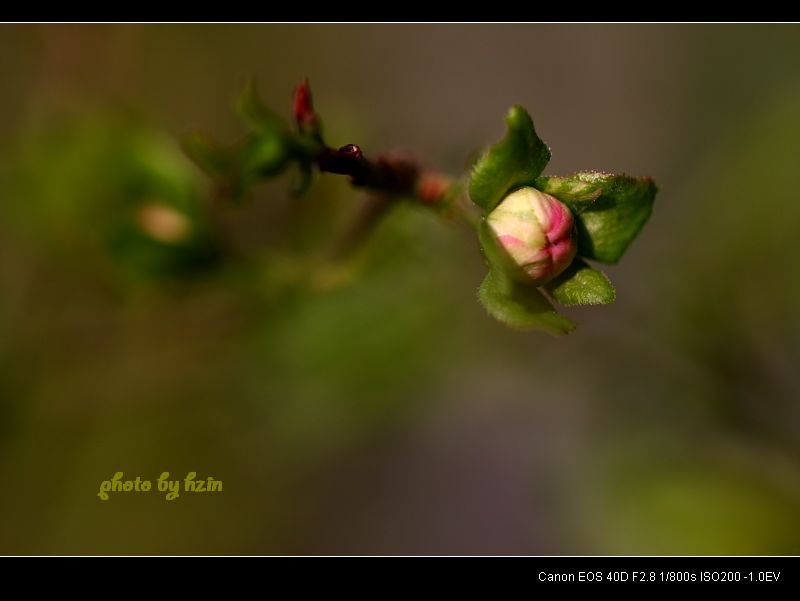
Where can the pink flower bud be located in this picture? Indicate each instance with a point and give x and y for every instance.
(537, 231)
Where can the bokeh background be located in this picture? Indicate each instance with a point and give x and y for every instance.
(389, 414)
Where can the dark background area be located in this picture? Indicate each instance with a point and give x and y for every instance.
(385, 412)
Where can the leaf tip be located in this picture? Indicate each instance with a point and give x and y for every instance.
(518, 117)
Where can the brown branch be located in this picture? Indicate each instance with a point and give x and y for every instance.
(388, 174)
(388, 178)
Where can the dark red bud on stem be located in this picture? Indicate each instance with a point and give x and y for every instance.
(304, 107)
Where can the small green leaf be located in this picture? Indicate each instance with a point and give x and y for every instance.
(212, 158)
(222, 164)
(253, 110)
(609, 209)
(581, 285)
(302, 179)
(264, 155)
(515, 161)
(521, 307)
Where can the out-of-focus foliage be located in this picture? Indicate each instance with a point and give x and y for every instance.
(369, 406)
(111, 185)
(266, 152)
(279, 356)
(702, 444)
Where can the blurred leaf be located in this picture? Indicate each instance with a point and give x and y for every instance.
(149, 251)
(264, 155)
(519, 306)
(234, 170)
(515, 161)
(257, 114)
(211, 157)
(114, 187)
(609, 222)
(302, 179)
(581, 285)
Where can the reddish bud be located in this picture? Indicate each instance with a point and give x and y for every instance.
(432, 187)
(303, 107)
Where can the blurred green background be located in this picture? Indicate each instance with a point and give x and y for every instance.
(143, 329)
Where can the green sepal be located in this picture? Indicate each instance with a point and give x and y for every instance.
(515, 161)
(519, 306)
(579, 284)
(610, 210)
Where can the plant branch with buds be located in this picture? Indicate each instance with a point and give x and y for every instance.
(536, 231)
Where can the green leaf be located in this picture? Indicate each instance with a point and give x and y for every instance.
(609, 209)
(212, 158)
(521, 307)
(577, 191)
(264, 155)
(515, 161)
(581, 285)
(261, 118)
(302, 179)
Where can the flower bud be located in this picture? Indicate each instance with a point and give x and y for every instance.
(537, 231)
(303, 107)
